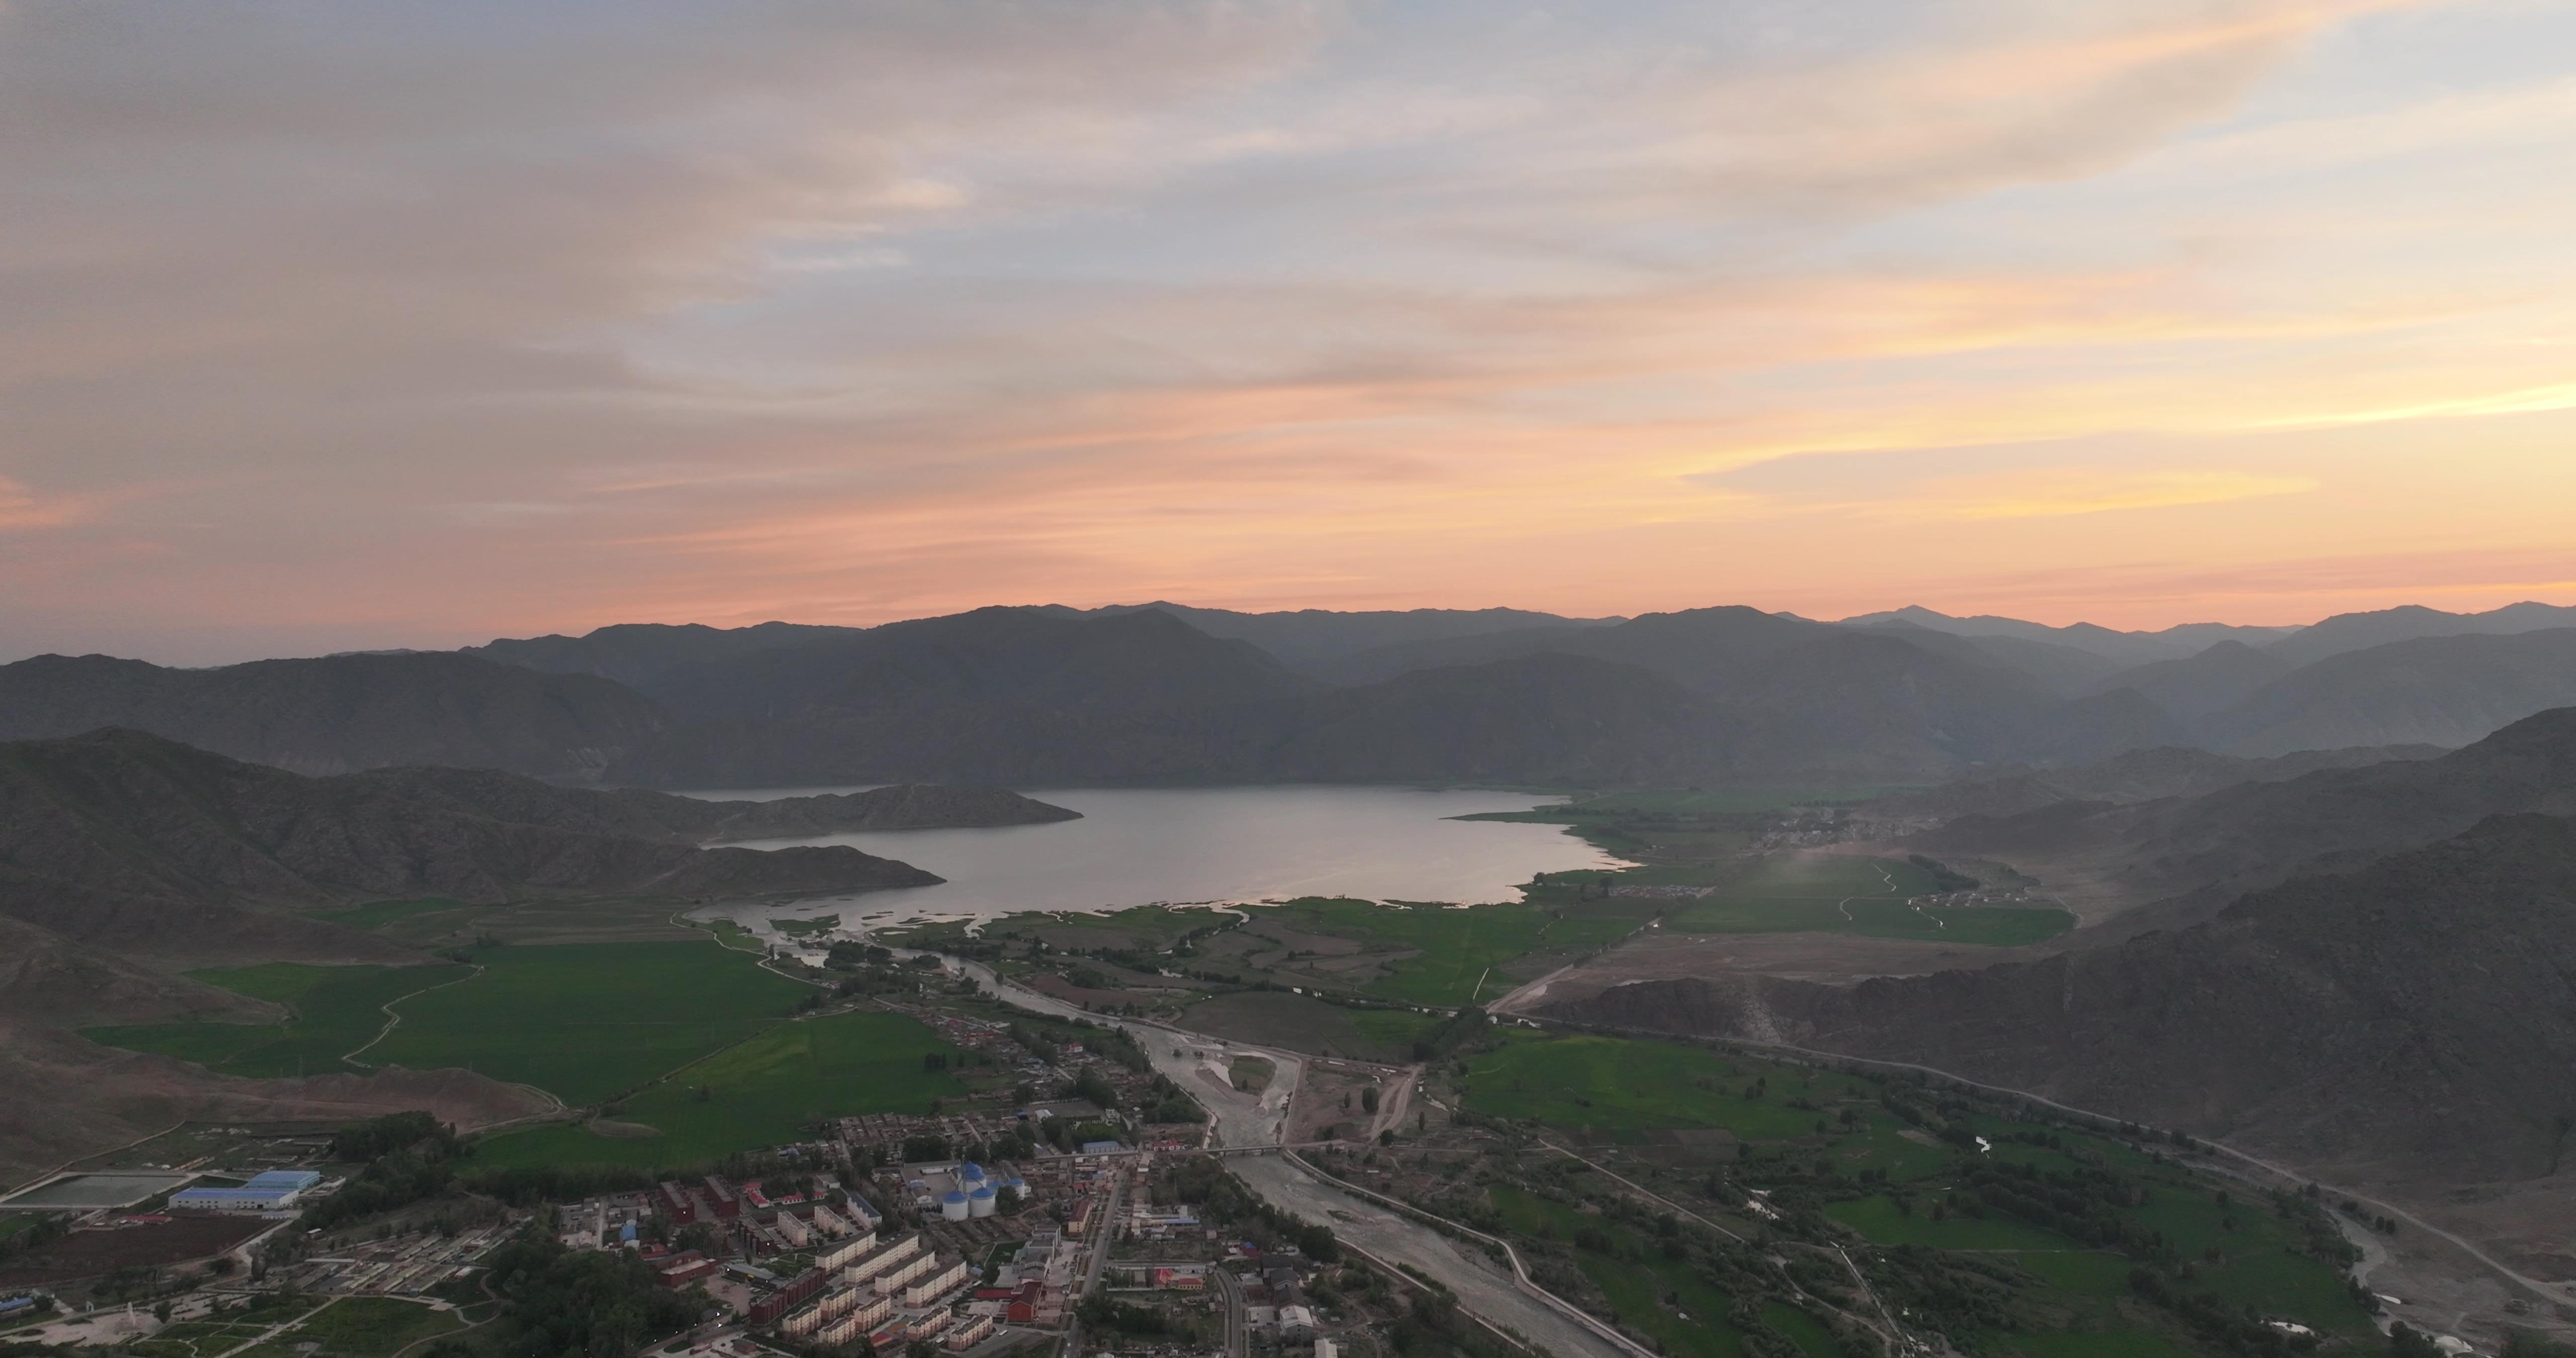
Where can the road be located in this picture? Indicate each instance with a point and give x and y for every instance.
(1484, 1289)
(1238, 1335)
(1198, 1063)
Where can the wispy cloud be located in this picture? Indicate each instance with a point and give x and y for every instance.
(2066, 493)
(879, 309)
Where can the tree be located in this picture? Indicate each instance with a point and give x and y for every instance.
(2405, 1341)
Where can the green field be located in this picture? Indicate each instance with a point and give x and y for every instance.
(1820, 893)
(1461, 949)
(1807, 1332)
(370, 1327)
(333, 1010)
(588, 1021)
(1303, 1023)
(763, 1092)
(2112, 1344)
(1615, 1089)
(1635, 1281)
(1610, 1084)
(1878, 1222)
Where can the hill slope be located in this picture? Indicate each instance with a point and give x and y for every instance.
(340, 713)
(130, 840)
(2414, 1018)
(2191, 855)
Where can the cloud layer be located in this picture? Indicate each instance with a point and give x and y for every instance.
(369, 324)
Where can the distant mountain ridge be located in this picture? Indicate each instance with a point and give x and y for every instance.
(1165, 692)
(2124, 648)
(341, 713)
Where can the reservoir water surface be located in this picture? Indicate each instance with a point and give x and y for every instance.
(1144, 846)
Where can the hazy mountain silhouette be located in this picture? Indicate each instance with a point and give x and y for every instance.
(2361, 631)
(338, 713)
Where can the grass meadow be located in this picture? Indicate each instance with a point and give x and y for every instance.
(1460, 951)
(761, 1092)
(586, 1021)
(333, 1010)
(1865, 897)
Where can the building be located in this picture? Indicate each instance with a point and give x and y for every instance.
(804, 1286)
(1296, 1322)
(841, 1254)
(931, 1285)
(1325, 1348)
(883, 1258)
(274, 1191)
(967, 1335)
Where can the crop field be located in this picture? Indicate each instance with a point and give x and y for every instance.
(1460, 952)
(762, 1092)
(1861, 896)
(1611, 1085)
(334, 1010)
(588, 1021)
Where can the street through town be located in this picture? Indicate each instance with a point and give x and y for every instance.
(1246, 1120)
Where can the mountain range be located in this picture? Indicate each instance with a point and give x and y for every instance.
(1166, 693)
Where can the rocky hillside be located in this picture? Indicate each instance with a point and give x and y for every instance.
(2415, 1018)
(124, 838)
(341, 713)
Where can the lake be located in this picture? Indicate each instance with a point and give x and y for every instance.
(1145, 846)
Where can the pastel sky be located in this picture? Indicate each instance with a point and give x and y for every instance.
(355, 323)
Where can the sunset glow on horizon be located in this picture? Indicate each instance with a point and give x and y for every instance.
(372, 325)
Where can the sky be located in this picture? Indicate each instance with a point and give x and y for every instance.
(352, 324)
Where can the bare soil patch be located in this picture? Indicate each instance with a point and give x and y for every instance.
(86, 1254)
(1316, 1112)
(1834, 959)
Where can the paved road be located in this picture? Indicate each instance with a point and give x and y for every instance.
(1198, 1062)
(1484, 1289)
(1238, 1335)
